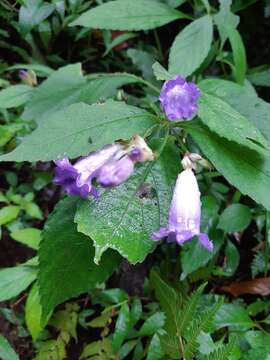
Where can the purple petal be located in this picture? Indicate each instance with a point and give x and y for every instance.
(115, 172)
(205, 242)
(158, 235)
(179, 98)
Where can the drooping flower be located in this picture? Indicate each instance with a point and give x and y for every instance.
(110, 166)
(179, 98)
(185, 213)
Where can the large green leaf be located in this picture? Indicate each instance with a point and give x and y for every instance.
(81, 128)
(67, 86)
(191, 47)
(246, 169)
(128, 15)
(72, 271)
(242, 98)
(127, 215)
(226, 122)
(15, 95)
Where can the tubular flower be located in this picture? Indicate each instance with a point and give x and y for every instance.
(110, 166)
(185, 213)
(179, 98)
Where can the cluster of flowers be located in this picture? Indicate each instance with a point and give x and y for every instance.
(115, 163)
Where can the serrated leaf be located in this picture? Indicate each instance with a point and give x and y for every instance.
(128, 15)
(169, 300)
(95, 126)
(6, 351)
(191, 47)
(226, 122)
(242, 98)
(247, 170)
(15, 95)
(124, 220)
(68, 86)
(235, 217)
(72, 271)
(232, 259)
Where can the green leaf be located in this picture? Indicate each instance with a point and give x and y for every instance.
(124, 220)
(225, 20)
(30, 237)
(40, 70)
(61, 89)
(128, 15)
(193, 255)
(72, 271)
(143, 60)
(8, 213)
(247, 170)
(33, 312)
(235, 217)
(126, 349)
(191, 47)
(118, 40)
(169, 300)
(242, 98)
(95, 126)
(226, 122)
(122, 327)
(6, 351)
(239, 55)
(160, 72)
(259, 77)
(155, 351)
(32, 13)
(15, 95)
(16, 279)
(232, 259)
(234, 316)
(67, 86)
(152, 324)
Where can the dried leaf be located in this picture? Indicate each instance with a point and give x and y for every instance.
(260, 286)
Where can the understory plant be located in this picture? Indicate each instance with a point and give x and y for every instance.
(149, 153)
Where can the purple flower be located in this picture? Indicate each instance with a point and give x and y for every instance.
(179, 98)
(185, 213)
(115, 172)
(77, 179)
(110, 167)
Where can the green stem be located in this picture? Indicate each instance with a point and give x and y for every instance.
(158, 45)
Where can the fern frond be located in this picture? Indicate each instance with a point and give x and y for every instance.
(222, 353)
(201, 323)
(186, 315)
